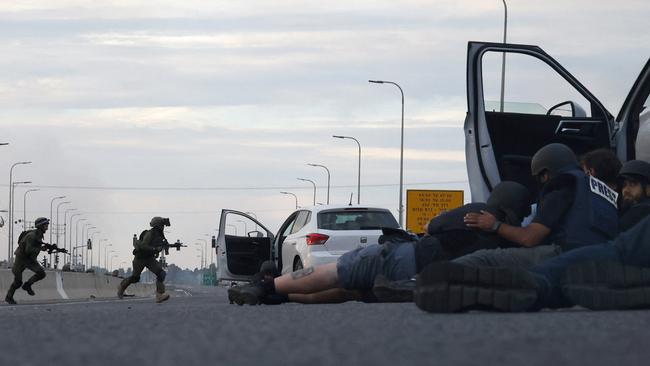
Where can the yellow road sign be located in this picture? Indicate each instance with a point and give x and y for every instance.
(422, 205)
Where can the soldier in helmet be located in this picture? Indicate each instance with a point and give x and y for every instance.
(387, 268)
(147, 248)
(29, 246)
(573, 210)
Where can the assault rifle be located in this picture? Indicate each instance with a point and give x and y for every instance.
(165, 246)
(53, 248)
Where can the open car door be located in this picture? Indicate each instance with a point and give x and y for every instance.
(542, 103)
(241, 252)
(633, 139)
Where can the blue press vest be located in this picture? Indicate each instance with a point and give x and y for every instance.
(591, 219)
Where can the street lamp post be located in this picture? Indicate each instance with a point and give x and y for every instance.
(11, 223)
(359, 170)
(503, 55)
(106, 252)
(65, 225)
(57, 220)
(70, 239)
(401, 152)
(84, 241)
(234, 227)
(91, 249)
(10, 239)
(294, 196)
(114, 256)
(99, 253)
(25, 207)
(200, 249)
(328, 179)
(313, 183)
(52, 218)
(76, 239)
(205, 248)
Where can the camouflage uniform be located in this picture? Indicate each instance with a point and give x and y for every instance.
(26, 257)
(145, 256)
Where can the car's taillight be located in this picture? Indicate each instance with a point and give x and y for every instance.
(315, 239)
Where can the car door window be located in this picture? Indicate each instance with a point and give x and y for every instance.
(301, 221)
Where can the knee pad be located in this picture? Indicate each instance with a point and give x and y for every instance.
(161, 276)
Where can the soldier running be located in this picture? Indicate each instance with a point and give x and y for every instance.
(150, 243)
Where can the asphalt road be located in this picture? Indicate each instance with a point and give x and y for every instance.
(204, 329)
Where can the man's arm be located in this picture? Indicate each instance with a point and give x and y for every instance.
(33, 245)
(528, 236)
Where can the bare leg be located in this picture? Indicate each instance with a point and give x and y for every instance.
(308, 280)
(331, 296)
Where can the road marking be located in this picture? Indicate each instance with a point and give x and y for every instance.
(75, 303)
(59, 286)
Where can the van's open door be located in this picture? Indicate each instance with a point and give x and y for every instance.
(543, 104)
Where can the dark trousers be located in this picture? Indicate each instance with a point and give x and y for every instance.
(19, 267)
(153, 265)
(631, 247)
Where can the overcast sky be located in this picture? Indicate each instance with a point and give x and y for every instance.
(227, 101)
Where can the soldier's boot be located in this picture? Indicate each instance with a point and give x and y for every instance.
(9, 299)
(121, 288)
(27, 286)
(160, 297)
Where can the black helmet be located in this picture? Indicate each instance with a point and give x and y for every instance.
(636, 169)
(41, 221)
(552, 158)
(159, 222)
(511, 198)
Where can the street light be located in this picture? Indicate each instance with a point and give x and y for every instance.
(114, 256)
(106, 252)
(205, 247)
(401, 153)
(314, 184)
(11, 226)
(359, 170)
(503, 55)
(328, 179)
(234, 227)
(70, 240)
(76, 238)
(245, 227)
(25, 207)
(51, 204)
(294, 196)
(84, 240)
(10, 239)
(99, 253)
(91, 249)
(200, 249)
(57, 220)
(65, 220)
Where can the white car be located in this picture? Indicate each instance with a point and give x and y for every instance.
(543, 104)
(310, 236)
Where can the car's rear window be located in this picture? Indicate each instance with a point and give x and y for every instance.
(355, 220)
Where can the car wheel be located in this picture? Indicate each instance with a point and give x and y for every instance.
(297, 264)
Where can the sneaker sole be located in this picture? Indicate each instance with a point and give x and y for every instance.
(451, 287)
(608, 286)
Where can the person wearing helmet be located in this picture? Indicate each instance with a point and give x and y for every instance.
(388, 267)
(573, 210)
(29, 247)
(634, 181)
(147, 247)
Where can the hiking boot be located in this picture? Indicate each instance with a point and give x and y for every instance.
(10, 300)
(161, 297)
(28, 287)
(607, 286)
(393, 291)
(446, 287)
(251, 294)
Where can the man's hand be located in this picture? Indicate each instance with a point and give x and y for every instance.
(483, 220)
